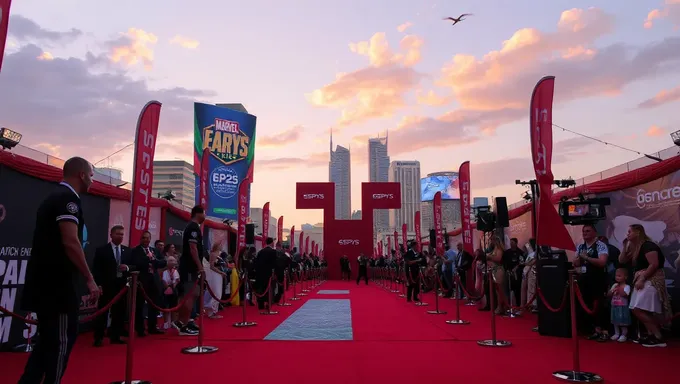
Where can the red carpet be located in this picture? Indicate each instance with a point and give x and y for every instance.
(394, 342)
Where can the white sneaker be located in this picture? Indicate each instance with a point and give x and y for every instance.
(615, 337)
(622, 339)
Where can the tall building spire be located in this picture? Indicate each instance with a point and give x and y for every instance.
(387, 131)
(331, 139)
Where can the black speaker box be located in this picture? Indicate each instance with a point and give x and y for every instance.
(250, 234)
(486, 221)
(502, 218)
(433, 238)
(552, 275)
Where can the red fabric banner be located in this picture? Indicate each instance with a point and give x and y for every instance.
(302, 236)
(416, 223)
(396, 240)
(307, 245)
(142, 179)
(265, 224)
(242, 214)
(465, 198)
(313, 247)
(203, 185)
(279, 230)
(404, 229)
(437, 215)
(380, 248)
(389, 245)
(549, 227)
(292, 238)
(4, 25)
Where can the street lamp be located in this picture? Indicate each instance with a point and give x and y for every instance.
(8, 138)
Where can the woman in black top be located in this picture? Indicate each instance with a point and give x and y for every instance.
(650, 296)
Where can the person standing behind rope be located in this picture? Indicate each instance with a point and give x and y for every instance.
(412, 268)
(57, 258)
(264, 263)
(363, 268)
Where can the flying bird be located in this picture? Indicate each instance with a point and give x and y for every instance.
(459, 19)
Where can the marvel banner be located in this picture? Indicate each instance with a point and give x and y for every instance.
(18, 206)
(229, 136)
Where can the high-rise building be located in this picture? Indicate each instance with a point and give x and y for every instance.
(407, 173)
(340, 173)
(176, 176)
(378, 171)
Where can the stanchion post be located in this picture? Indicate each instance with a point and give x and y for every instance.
(130, 349)
(436, 300)
(575, 375)
(511, 312)
(458, 320)
(294, 279)
(493, 342)
(270, 297)
(420, 280)
(302, 282)
(285, 288)
(245, 323)
(200, 349)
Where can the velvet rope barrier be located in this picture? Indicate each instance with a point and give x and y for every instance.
(232, 297)
(167, 310)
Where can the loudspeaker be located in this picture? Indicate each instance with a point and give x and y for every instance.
(502, 218)
(433, 238)
(250, 233)
(486, 221)
(553, 274)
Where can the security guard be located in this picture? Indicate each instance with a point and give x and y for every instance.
(412, 263)
(57, 258)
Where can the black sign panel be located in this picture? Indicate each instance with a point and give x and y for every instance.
(18, 207)
(175, 229)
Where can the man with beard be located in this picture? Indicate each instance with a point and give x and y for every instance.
(264, 264)
(412, 263)
(363, 268)
(143, 260)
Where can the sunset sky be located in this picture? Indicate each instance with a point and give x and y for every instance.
(76, 74)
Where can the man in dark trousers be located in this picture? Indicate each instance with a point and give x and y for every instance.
(264, 263)
(111, 274)
(463, 264)
(363, 268)
(190, 266)
(144, 260)
(56, 263)
(412, 267)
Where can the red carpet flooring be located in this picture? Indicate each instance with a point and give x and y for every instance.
(394, 342)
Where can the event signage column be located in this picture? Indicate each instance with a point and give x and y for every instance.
(466, 225)
(404, 239)
(389, 245)
(307, 245)
(550, 229)
(265, 224)
(142, 179)
(292, 238)
(396, 240)
(4, 24)
(416, 223)
(279, 230)
(437, 215)
(203, 186)
(243, 205)
(313, 250)
(300, 242)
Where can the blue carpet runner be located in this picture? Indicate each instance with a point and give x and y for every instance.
(333, 292)
(317, 319)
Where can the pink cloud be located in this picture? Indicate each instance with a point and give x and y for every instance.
(655, 131)
(282, 138)
(661, 98)
(403, 27)
(670, 10)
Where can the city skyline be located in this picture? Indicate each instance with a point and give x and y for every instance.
(73, 84)
(340, 173)
(378, 171)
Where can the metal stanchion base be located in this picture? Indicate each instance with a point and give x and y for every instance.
(401, 295)
(284, 304)
(437, 312)
(494, 343)
(421, 304)
(302, 294)
(577, 377)
(305, 290)
(243, 324)
(132, 382)
(294, 298)
(470, 304)
(199, 350)
(457, 322)
(513, 315)
(269, 313)
(23, 348)
(534, 329)
(394, 291)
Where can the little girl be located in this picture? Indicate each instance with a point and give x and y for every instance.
(620, 313)
(170, 281)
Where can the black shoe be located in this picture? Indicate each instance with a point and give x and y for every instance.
(603, 338)
(192, 325)
(98, 343)
(653, 342)
(186, 331)
(177, 325)
(141, 334)
(594, 336)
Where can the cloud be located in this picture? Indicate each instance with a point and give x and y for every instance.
(282, 138)
(314, 160)
(655, 131)
(25, 30)
(433, 99)
(661, 98)
(403, 27)
(134, 46)
(670, 10)
(185, 42)
(45, 56)
(375, 91)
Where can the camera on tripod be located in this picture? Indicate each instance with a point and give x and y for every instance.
(583, 211)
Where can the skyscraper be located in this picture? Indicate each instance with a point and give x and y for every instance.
(407, 173)
(378, 171)
(340, 173)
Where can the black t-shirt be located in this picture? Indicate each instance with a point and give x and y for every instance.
(362, 260)
(192, 235)
(641, 262)
(51, 277)
(511, 258)
(411, 256)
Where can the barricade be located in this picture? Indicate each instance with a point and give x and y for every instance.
(294, 279)
(246, 283)
(270, 297)
(285, 288)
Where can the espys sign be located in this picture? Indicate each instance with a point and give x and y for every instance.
(229, 137)
(348, 242)
(311, 196)
(381, 196)
(175, 229)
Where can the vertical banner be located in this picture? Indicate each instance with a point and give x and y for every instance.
(380, 248)
(396, 240)
(229, 137)
(465, 188)
(550, 229)
(316, 249)
(142, 179)
(404, 239)
(279, 230)
(300, 242)
(437, 216)
(203, 184)
(243, 204)
(389, 245)
(265, 224)
(416, 223)
(292, 238)
(313, 250)
(4, 25)
(307, 245)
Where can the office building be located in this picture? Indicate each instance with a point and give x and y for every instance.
(176, 176)
(340, 173)
(256, 217)
(407, 174)
(378, 171)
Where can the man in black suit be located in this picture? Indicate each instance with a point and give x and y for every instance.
(110, 273)
(264, 263)
(463, 264)
(146, 262)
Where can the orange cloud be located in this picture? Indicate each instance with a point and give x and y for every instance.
(433, 99)
(670, 10)
(405, 26)
(46, 56)
(282, 138)
(135, 48)
(655, 131)
(378, 90)
(661, 98)
(184, 42)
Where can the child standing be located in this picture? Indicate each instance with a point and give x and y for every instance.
(620, 313)
(170, 281)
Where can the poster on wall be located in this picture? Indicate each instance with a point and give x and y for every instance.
(175, 230)
(229, 136)
(18, 206)
(120, 215)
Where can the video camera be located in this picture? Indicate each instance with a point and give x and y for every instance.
(485, 218)
(583, 211)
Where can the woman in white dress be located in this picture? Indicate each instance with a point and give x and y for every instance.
(215, 279)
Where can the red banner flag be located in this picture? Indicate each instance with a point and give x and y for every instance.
(465, 198)
(389, 245)
(416, 224)
(203, 184)
(437, 215)
(396, 240)
(313, 247)
(265, 224)
(4, 25)
(279, 230)
(142, 179)
(302, 236)
(380, 248)
(307, 245)
(292, 238)
(549, 226)
(404, 229)
(242, 215)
